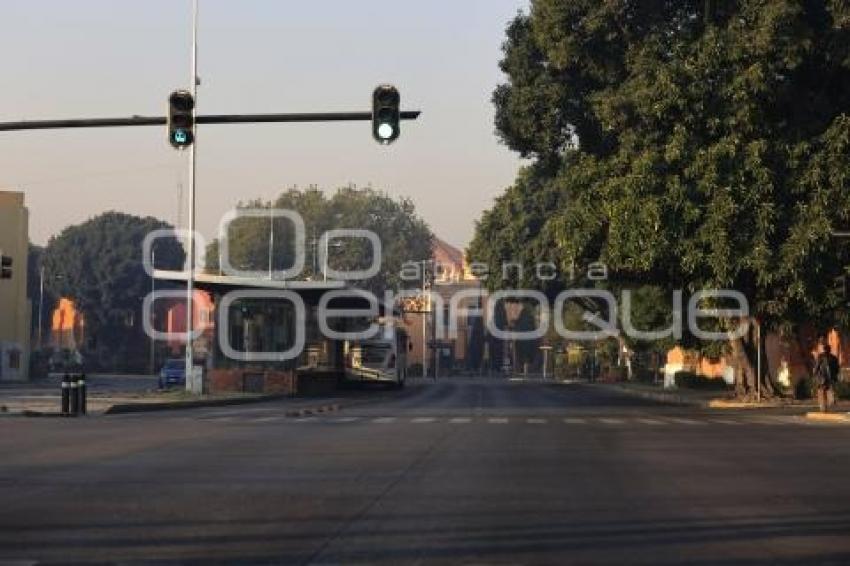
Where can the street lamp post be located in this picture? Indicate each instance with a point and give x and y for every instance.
(153, 290)
(328, 245)
(41, 308)
(191, 385)
(425, 322)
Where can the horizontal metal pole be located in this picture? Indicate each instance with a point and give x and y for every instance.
(211, 119)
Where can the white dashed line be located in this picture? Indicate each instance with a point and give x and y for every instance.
(611, 421)
(344, 419)
(460, 420)
(384, 420)
(575, 421)
(422, 420)
(536, 421)
(266, 419)
(497, 420)
(652, 422)
(687, 421)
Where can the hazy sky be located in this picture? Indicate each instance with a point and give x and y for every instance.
(87, 58)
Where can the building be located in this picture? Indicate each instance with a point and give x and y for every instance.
(240, 338)
(462, 351)
(15, 310)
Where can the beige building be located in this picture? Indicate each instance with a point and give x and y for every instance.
(15, 309)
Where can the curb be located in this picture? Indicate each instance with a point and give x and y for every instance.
(829, 417)
(725, 404)
(125, 408)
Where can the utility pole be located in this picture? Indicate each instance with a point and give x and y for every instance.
(41, 307)
(191, 386)
(152, 341)
(425, 323)
(271, 240)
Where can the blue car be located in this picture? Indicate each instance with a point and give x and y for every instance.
(172, 373)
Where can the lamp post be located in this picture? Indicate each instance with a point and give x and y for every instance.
(191, 385)
(153, 290)
(41, 308)
(41, 305)
(328, 245)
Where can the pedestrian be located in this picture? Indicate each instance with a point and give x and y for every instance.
(826, 374)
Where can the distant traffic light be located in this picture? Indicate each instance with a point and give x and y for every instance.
(5, 267)
(385, 114)
(181, 119)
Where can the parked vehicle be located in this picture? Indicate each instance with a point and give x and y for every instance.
(172, 373)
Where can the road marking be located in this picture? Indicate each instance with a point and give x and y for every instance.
(306, 420)
(653, 422)
(725, 421)
(687, 421)
(575, 421)
(460, 420)
(421, 420)
(497, 420)
(266, 419)
(536, 421)
(344, 419)
(384, 420)
(611, 421)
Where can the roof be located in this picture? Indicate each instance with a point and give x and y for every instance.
(310, 291)
(209, 280)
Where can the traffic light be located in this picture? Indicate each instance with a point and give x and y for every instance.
(181, 119)
(385, 114)
(5, 267)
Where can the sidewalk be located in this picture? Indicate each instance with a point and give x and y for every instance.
(706, 399)
(110, 395)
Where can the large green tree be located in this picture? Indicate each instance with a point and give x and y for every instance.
(686, 144)
(98, 264)
(404, 236)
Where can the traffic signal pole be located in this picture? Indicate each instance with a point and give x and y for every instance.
(210, 119)
(380, 117)
(192, 384)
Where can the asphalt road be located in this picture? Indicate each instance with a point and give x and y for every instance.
(459, 472)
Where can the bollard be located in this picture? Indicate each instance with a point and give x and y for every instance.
(66, 395)
(81, 389)
(75, 398)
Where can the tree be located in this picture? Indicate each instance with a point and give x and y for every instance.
(98, 264)
(404, 236)
(685, 149)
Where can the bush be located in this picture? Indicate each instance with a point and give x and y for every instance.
(691, 380)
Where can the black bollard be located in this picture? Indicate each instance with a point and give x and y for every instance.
(81, 391)
(75, 398)
(66, 395)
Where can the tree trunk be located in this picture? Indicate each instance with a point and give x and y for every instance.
(744, 358)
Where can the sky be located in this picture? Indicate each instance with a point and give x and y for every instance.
(105, 58)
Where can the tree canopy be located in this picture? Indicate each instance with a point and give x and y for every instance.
(98, 264)
(683, 148)
(404, 236)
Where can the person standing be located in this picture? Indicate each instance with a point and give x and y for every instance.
(826, 374)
